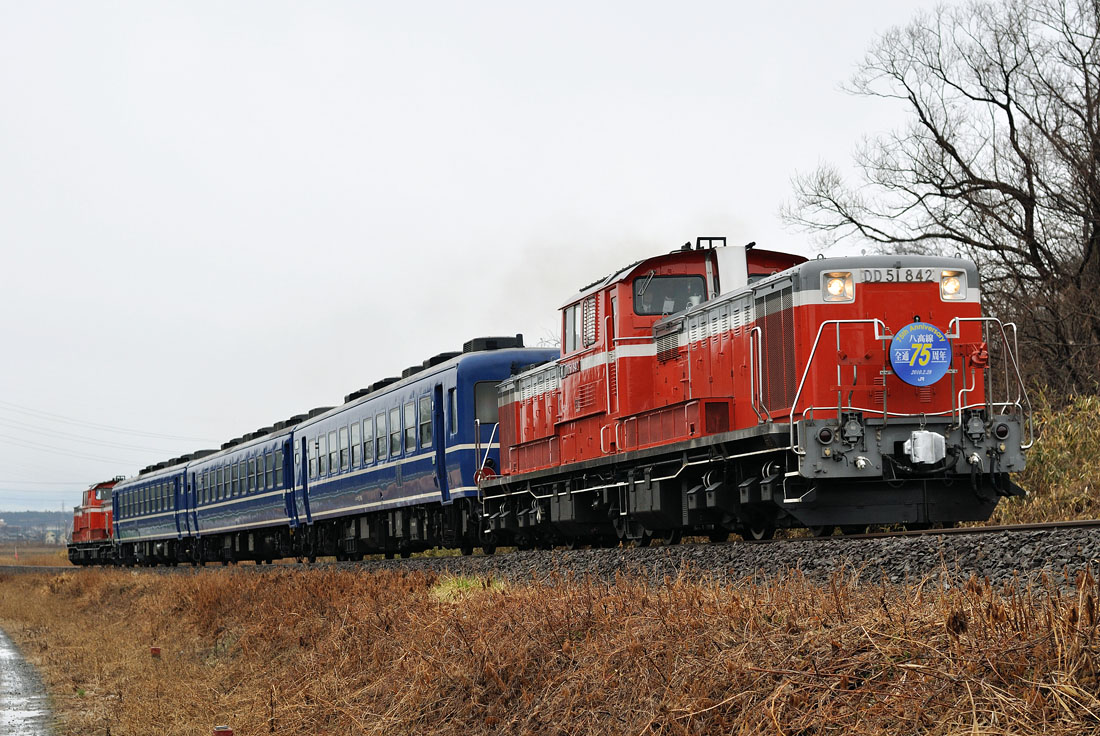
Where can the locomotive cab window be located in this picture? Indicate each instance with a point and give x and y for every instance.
(667, 294)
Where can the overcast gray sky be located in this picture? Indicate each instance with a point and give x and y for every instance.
(214, 215)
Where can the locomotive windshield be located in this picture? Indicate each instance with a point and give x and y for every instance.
(667, 294)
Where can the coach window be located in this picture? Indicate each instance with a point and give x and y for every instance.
(333, 457)
(236, 489)
(251, 474)
(425, 421)
(343, 448)
(356, 449)
(219, 487)
(410, 427)
(312, 450)
(485, 402)
(452, 401)
(368, 441)
(278, 469)
(269, 462)
(380, 436)
(395, 431)
(322, 455)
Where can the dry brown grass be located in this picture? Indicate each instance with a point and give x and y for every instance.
(324, 652)
(32, 554)
(1063, 468)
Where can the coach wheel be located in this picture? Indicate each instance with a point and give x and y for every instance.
(406, 554)
(489, 549)
(758, 533)
(718, 536)
(467, 549)
(850, 529)
(645, 540)
(825, 530)
(671, 537)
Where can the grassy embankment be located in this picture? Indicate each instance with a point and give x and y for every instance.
(322, 652)
(1063, 468)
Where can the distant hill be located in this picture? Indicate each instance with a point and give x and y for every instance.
(40, 519)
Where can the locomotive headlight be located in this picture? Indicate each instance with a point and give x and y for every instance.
(837, 286)
(953, 285)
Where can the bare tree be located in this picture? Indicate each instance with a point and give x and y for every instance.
(1000, 161)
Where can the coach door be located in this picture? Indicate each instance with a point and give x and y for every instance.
(186, 513)
(439, 442)
(300, 507)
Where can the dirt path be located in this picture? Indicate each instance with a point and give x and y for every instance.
(23, 707)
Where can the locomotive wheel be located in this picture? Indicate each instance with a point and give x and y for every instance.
(825, 530)
(758, 533)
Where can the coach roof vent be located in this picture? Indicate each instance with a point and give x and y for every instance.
(492, 343)
(197, 454)
(411, 370)
(295, 419)
(356, 394)
(383, 383)
(318, 410)
(441, 358)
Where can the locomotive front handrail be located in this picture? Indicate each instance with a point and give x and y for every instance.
(881, 336)
(1011, 360)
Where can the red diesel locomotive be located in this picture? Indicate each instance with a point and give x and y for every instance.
(92, 526)
(718, 389)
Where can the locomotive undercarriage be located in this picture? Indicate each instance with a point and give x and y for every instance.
(752, 482)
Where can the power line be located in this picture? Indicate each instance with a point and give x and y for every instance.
(53, 450)
(79, 422)
(68, 435)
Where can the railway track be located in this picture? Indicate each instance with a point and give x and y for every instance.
(997, 552)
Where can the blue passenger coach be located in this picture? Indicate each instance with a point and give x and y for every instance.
(391, 471)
